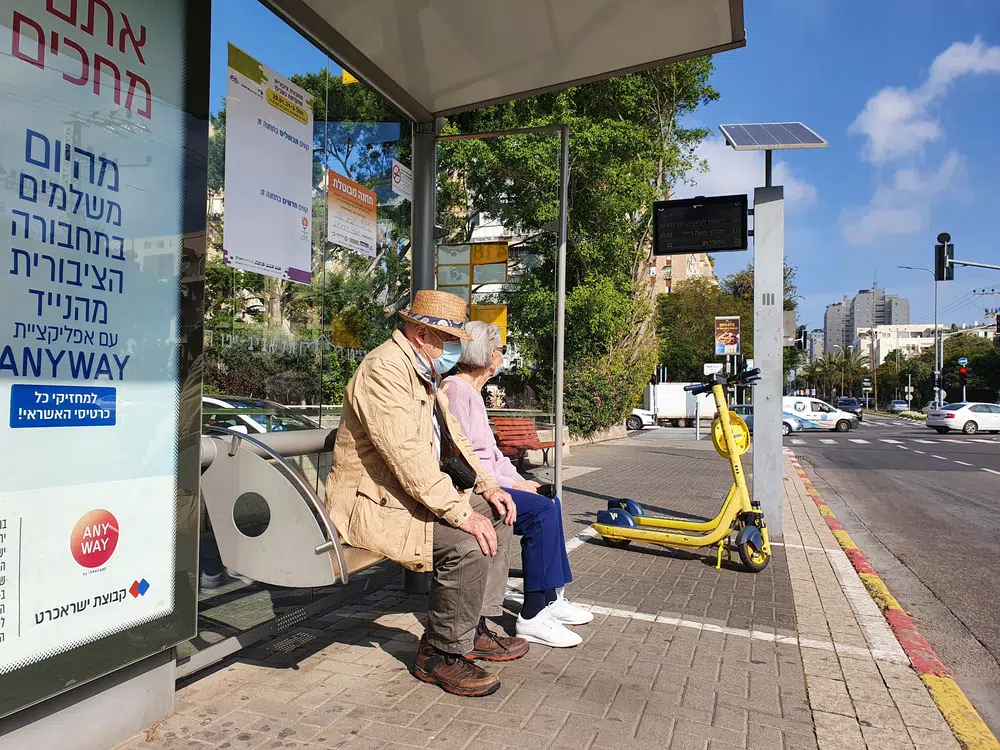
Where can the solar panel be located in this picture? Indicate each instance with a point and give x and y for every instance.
(773, 136)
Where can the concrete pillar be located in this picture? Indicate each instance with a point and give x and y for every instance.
(769, 295)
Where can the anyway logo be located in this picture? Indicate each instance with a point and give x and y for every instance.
(139, 588)
(94, 538)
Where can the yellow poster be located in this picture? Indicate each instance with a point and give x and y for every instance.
(496, 314)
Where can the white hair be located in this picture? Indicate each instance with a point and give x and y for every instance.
(478, 352)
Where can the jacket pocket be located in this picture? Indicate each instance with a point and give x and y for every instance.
(379, 521)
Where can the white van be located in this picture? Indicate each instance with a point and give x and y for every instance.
(819, 415)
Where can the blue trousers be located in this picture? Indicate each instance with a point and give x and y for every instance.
(544, 561)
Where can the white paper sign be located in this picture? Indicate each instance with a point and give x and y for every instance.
(269, 135)
(92, 150)
(402, 180)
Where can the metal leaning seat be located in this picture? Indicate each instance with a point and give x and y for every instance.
(298, 546)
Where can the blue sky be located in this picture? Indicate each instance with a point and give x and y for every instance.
(906, 92)
(909, 101)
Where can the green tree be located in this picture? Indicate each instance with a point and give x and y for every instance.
(628, 149)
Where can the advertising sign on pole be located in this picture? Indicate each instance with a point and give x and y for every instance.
(465, 266)
(727, 335)
(711, 368)
(269, 154)
(496, 314)
(353, 217)
(402, 180)
(95, 157)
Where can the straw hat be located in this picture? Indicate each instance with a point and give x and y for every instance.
(442, 311)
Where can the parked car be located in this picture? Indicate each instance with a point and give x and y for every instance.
(851, 406)
(260, 415)
(927, 408)
(898, 407)
(818, 415)
(969, 417)
(789, 422)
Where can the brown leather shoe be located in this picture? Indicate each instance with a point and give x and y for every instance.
(453, 673)
(491, 646)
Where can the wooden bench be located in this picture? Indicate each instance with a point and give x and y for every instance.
(516, 436)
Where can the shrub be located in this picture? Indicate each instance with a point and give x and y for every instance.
(601, 392)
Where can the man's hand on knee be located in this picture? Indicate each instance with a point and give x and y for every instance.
(504, 504)
(482, 529)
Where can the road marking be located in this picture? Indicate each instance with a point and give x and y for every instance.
(798, 441)
(962, 463)
(941, 457)
(980, 440)
(922, 453)
(828, 441)
(887, 440)
(992, 471)
(583, 536)
(903, 447)
(925, 442)
(859, 440)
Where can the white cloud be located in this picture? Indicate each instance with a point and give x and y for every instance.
(903, 206)
(899, 122)
(733, 172)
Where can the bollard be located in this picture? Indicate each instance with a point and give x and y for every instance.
(416, 583)
(697, 418)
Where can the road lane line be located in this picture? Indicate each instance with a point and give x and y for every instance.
(798, 441)
(859, 440)
(828, 441)
(941, 457)
(887, 440)
(925, 442)
(991, 471)
(962, 463)
(922, 453)
(980, 440)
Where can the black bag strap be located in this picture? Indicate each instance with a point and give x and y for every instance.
(448, 447)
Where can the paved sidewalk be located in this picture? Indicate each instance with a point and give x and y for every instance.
(679, 655)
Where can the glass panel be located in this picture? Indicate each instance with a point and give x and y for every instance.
(98, 506)
(280, 351)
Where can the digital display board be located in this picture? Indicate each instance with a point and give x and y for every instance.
(700, 225)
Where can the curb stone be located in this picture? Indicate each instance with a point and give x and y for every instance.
(968, 726)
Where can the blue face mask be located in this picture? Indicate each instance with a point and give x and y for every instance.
(449, 358)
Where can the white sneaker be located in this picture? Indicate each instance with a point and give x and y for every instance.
(545, 629)
(568, 613)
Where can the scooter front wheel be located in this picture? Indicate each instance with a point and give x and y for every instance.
(753, 558)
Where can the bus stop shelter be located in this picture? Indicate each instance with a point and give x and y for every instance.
(428, 58)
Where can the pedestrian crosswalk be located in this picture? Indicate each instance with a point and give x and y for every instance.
(810, 439)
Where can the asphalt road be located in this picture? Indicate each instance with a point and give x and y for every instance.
(925, 509)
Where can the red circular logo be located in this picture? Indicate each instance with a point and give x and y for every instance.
(94, 538)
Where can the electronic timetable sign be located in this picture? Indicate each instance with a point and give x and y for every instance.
(700, 225)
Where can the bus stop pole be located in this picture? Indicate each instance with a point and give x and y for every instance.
(561, 305)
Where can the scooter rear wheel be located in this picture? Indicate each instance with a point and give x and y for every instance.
(617, 543)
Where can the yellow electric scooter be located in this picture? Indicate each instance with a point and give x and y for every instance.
(740, 522)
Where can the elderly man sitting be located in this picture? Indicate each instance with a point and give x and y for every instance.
(406, 483)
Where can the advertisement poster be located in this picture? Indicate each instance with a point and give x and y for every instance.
(352, 218)
(727, 335)
(91, 177)
(269, 158)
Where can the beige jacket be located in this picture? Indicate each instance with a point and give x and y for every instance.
(386, 490)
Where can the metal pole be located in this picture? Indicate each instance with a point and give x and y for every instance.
(767, 170)
(561, 303)
(937, 365)
(424, 206)
(697, 418)
(422, 255)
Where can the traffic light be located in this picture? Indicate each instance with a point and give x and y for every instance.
(962, 376)
(943, 269)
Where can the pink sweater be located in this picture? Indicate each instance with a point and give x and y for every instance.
(466, 405)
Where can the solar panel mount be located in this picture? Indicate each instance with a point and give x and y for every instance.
(775, 136)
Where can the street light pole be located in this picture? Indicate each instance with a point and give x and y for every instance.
(938, 354)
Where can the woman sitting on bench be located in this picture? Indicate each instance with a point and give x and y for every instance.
(546, 611)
